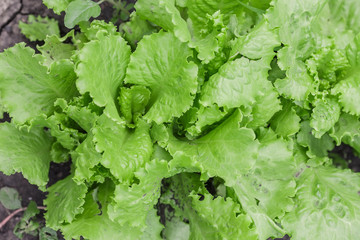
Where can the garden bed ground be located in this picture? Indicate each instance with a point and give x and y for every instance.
(11, 12)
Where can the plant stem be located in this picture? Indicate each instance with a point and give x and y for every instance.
(8, 218)
(111, 1)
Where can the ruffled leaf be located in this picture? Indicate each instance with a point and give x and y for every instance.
(85, 157)
(38, 28)
(226, 151)
(167, 72)
(223, 215)
(258, 43)
(297, 84)
(57, 6)
(55, 49)
(164, 14)
(242, 83)
(286, 122)
(348, 127)
(318, 147)
(133, 102)
(25, 151)
(60, 128)
(109, 66)
(67, 194)
(324, 116)
(35, 90)
(124, 150)
(81, 111)
(264, 195)
(327, 205)
(132, 204)
(135, 29)
(349, 91)
(197, 120)
(94, 223)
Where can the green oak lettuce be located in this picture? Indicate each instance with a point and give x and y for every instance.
(195, 120)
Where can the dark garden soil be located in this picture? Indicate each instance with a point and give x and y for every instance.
(11, 12)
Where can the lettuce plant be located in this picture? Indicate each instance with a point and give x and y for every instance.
(195, 120)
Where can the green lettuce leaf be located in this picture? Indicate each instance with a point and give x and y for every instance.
(348, 89)
(317, 147)
(286, 122)
(206, 119)
(258, 43)
(346, 12)
(266, 196)
(26, 151)
(135, 29)
(110, 66)
(60, 128)
(348, 127)
(81, 111)
(176, 229)
(124, 150)
(324, 116)
(327, 205)
(38, 28)
(211, 39)
(80, 10)
(224, 215)
(206, 217)
(154, 227)
(349, 94)
(243, 83)
(236, 84)
(216, 151)
(57, 6)
(328, 66)
(2, 110)
(160, 153)
(167, 72)
(295, 17)
(132, 204)
(177, 195)
(35, 89)
(133, 102)
(99, 29)
(85, 158)
(298, 19)
(94, 223)
(266, 105)
(198, 120)
(297, 84)
(336, 23)
(55, 49)
(211, 22)
(58, 153)
(70, 196)
(164, 14)
(198, 11)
